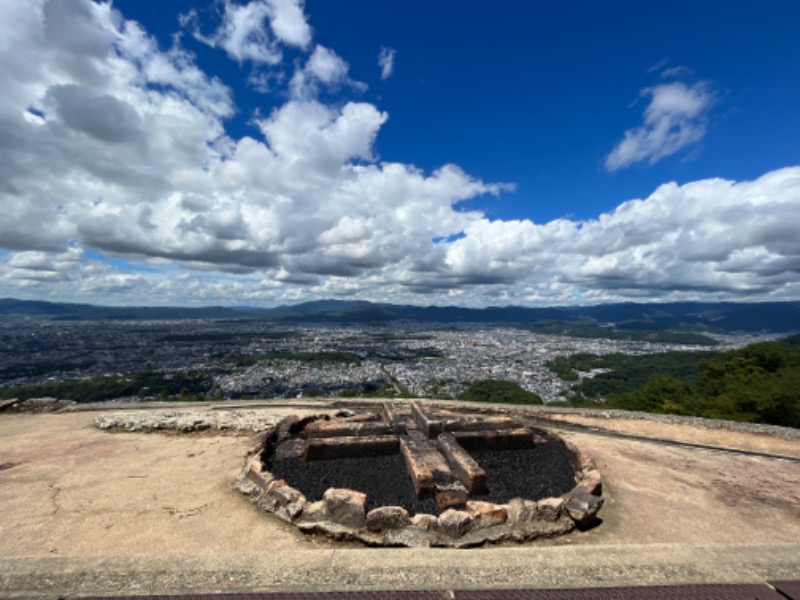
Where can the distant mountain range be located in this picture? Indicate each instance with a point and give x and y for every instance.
(623, 319)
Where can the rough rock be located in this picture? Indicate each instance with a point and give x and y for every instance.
(286, 494)
(520, 511)
(583, 507)
(345, 507)
(477, 536)
(341, 532)
(451, 499)
(486, 514)
(254, 472)
(387, 517)
(412, 537)
(313, 512)
(266, 502)
(591, 483)
(542, 529)
(289, 502)
(549, 509)
(275, 483)
(245, 486)
(454, 523)
(329, 528)
(291, 512)
(425, 522)
(262, 479)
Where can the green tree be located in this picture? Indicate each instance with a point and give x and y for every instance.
(662, 393)
(499, 391)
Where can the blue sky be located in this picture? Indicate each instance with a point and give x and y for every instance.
(538, 93)
(502, 153)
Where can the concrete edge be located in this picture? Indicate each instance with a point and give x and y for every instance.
(417, 569)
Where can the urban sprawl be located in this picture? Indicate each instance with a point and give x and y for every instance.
(254, 359)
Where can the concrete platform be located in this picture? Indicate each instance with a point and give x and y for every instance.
(89, 513)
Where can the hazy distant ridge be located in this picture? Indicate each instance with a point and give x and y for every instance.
(776, 317)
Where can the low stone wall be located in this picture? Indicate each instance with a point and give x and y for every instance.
(187, 421)
(341, 513)
(35, 405)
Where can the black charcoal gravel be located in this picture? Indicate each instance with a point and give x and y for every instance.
(541, 472)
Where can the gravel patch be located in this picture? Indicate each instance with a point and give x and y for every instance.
(542, 472)
(382, 478)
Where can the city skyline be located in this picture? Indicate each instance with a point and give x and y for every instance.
(272, 152)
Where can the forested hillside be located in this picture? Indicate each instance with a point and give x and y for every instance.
(758, 383)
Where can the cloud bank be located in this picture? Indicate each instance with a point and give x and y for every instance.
(119, 184)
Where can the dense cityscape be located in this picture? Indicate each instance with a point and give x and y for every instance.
(255, 359)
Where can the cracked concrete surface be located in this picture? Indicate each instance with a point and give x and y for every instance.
(87, 510)
(78, 491)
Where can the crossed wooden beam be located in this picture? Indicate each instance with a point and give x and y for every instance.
(433, 443)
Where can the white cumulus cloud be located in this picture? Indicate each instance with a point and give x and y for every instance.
(254, 31)
(113, 147)
(326, 67)
(674, 118)
(706, 238)
(289, 22)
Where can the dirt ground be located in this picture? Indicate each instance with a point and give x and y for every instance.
(68, 489)
(753, 442)
(677, 495)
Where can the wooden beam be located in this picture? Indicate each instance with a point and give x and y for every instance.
(414, 451)
(359, 418)
(482, 424)
(393, 417)
(291, 448)
(351, 447)
(426, 420)
(323, 429)
(508, 439)
(464, 467)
